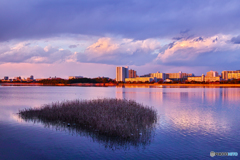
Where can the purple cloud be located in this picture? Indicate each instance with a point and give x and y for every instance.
(131, 19)
(236, 40)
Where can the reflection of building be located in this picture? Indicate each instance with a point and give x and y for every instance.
(121, 73)
(141, 79)
(212, 74)
(158, 75)
(230, 95)
(225, 74)
(132, 73)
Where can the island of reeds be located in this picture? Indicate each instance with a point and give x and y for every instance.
(119, 118)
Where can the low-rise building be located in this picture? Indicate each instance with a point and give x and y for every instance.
(225, 74)
(75, 77)
(203, 79)
(141, 79)
(178, 76)
(212, 79)
(233, 75)
(5, 78)
(158, 75)
(197, 78)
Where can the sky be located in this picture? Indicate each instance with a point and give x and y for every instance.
(91, 38)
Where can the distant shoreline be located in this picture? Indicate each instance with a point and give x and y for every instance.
(180, 85)
(123, 85)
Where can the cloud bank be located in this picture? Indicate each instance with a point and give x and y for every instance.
(181, 34)
(132, 19)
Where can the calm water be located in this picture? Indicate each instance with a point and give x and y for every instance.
(192, 122)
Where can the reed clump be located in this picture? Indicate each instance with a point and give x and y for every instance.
(125, 119)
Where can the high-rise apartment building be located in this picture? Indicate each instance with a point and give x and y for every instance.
(229, 74)
(212, 74)
(121, 73)
(132, 73)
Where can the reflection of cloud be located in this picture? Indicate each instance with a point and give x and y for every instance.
(192, 118)
(16, 118)
(195, 120)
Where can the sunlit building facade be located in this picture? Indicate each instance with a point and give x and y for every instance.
(121, 73)
(132, 73)
(204, 79)
(178, 75)
(233, 75)
(158, 75)
(225, 74)
(197, 78)
(212, 79)
(75, 77)
(212, 74)
(141, 79)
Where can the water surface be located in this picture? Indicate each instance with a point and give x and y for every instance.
(192, 122)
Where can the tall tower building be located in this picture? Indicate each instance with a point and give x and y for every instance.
(132, 74)
(212, 74)
(121, 73)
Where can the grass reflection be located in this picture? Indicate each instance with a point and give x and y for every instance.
(115, 123)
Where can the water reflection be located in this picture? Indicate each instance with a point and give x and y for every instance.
(109, 142)
(189, 109)
(193, 121)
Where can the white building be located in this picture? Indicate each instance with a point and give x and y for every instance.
(75, 77)
(158, 75)
(212, 74)
(121, 73)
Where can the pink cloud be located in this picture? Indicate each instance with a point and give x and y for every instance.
(187, 50)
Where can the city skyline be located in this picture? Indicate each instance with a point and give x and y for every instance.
(92, 38)
(130, 73)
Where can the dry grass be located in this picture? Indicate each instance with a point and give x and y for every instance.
(123, 119)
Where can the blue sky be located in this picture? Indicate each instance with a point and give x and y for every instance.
(91, 37)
